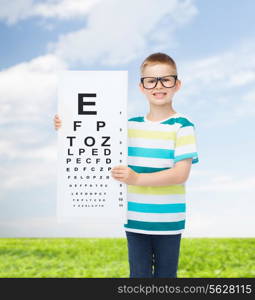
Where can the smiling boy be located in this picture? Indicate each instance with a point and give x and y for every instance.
(161, 150)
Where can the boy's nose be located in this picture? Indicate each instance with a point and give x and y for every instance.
(159, 84)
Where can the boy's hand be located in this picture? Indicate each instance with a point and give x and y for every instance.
(125, 174)
(57, 122)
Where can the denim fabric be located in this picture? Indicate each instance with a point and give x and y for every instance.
(153, 255)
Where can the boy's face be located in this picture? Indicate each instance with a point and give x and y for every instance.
(159, 95)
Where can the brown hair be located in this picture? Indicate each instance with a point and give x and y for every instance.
(158, 58)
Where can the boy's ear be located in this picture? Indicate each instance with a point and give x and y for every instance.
(178, 85)
(141, 86)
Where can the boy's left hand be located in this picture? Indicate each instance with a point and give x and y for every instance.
(124, 174)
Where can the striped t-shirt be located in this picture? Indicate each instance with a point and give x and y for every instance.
(152, 147)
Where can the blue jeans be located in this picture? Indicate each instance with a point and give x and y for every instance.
(153, 255)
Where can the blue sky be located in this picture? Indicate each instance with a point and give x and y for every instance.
(213, 45)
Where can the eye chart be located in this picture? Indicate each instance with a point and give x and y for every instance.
(92, 106)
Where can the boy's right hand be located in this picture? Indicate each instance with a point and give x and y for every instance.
(57, 122)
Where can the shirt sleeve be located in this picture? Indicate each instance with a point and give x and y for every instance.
(186, 143)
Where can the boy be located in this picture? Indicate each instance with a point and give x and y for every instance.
(161, 149)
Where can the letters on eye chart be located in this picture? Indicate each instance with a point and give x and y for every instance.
(93, 138)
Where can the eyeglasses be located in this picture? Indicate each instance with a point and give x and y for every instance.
(151, 82)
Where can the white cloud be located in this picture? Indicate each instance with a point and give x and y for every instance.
(14, 11)
(231, 69)
(198, 224)
(214, 224)
(246, 106)
(28, 95)
(28, 89)
(63, 9)
(225, 183)
(50, 227)
(222, 84)
(112, 38)
(30, 173)
(24, 150)
(242, 78)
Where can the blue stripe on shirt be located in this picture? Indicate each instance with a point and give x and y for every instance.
(156, 208)
(150, 152)
(156, 226)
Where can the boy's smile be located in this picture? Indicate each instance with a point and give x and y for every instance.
(159, 95)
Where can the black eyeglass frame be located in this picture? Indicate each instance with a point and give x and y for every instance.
(159, 78)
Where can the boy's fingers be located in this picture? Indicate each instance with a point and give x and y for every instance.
(119, 176)
(57, 122)
(119, 167)
(117, 172)
(56, 117)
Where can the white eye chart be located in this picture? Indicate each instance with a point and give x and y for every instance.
(92, 106)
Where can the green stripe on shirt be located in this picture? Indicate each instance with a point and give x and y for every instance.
(149, 134)
(157, 190)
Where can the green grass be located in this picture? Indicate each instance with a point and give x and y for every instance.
(107, 257)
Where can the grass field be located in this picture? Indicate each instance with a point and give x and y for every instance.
(107, 257)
